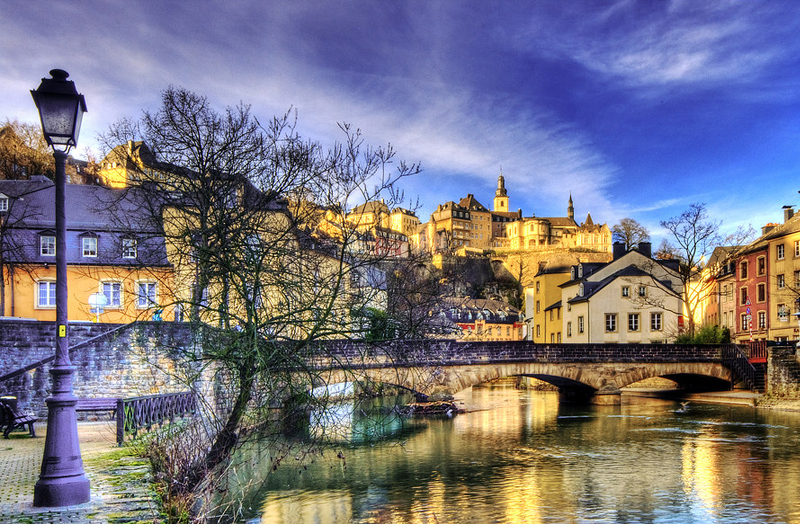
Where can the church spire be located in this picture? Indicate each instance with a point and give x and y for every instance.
(571, 208)
(501, 195)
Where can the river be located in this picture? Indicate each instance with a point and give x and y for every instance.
(520, 457)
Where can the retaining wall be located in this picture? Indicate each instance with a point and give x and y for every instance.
(110, 360)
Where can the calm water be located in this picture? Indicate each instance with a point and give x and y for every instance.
(523, 458)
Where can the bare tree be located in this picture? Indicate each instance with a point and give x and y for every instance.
(695, 237)
(630, 232)
(237, 203)
(24, 152)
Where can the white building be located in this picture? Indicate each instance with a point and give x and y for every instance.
(632, 299)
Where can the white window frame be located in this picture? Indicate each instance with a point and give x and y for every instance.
(109, 293)
(762, 320)
(642, 291)
(129, 248)
(3, 203)
(50, 302)
(797, 249)
(611, 322)
(656, 321)
(85, 243)
(626, 291)
(47, 245)
(781, 281)
(580, 324)
(633, 322)
(780, 251)
(146, 301)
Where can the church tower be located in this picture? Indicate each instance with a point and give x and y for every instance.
(501, 196)
(571, 209)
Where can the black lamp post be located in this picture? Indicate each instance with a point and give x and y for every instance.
(62, 481)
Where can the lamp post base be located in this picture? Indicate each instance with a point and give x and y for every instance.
(61, 492)
(62, 481)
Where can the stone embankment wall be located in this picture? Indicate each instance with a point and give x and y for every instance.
(112, 361)
(783, 372)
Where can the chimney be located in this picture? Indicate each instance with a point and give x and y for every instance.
(645, 249)
(769, 227)
(788, 212)
(618, 249)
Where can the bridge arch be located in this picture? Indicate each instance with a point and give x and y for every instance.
(590, 379)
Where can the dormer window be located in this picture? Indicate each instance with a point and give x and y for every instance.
(3, 203)
(47, 245)
(128, 248)
(580, 271)
(580, 290)
(89, 246)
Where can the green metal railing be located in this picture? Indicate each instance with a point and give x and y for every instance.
(137, 413)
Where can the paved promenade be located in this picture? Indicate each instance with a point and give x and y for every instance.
(119, 483)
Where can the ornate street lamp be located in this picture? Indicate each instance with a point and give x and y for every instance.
(62, 481)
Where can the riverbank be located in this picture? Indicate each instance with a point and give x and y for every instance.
(120, 481)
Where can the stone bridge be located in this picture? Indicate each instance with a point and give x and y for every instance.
(147, 357)
(594, 372)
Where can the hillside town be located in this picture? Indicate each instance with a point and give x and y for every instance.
(573, 281)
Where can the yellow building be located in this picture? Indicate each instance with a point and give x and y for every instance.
(483, 319)
(127, 265)
(469, 226)
(543, 307)
(783, 253)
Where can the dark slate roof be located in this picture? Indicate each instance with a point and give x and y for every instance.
(591, 288)
(373, 206)
(471, 203)
(108, 214)
(553, 306)
(498, 311)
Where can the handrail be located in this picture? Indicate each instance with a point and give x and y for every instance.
(47, 360)
(735, 358)
(143, 412)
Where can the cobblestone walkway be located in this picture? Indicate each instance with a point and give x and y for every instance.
(119, 483)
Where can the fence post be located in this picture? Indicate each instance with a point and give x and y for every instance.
(120, 421)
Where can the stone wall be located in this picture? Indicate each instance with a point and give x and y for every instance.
(113, 361)
(783, 371)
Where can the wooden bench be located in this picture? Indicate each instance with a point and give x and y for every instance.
(97, 404)
(11, 419)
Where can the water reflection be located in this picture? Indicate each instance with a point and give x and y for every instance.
(522, 457)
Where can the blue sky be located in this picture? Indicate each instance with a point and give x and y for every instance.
(636, 108)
